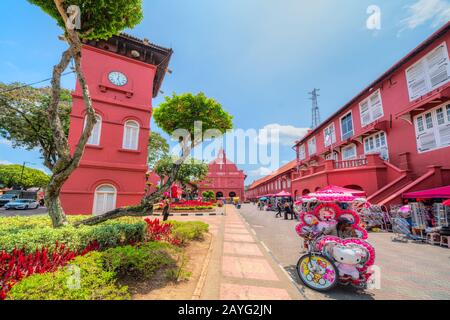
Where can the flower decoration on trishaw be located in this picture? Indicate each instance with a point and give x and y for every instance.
(335, 239)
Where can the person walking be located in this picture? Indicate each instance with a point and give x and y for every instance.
(279, 209)
(166, 209)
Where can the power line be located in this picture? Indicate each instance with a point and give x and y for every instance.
(33, 83)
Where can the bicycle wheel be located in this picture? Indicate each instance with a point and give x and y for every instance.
(317, 272)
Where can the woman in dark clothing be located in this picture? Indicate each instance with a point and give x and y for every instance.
(287, 210)
(166, 209)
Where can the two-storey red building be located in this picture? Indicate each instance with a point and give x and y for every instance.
(224, 178)
(391, 138)
(278, 181)
(123, 74)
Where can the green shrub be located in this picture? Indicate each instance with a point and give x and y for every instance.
(140, 261)
(95, 283)
(36, 232)
(189, 230)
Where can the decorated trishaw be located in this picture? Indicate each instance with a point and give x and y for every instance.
(337, 250)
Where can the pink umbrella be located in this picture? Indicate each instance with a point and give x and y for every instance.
(283, 194)
(446, 203)
(405, 209)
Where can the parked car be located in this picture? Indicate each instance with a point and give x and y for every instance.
(5, 198)
(22, 204)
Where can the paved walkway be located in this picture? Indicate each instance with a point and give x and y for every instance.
(240, 267)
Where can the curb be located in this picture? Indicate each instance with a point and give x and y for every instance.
(201, 281)
(188, 214)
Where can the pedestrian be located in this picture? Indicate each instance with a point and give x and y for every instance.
(166, 209)
(287, 210)
(279, 209)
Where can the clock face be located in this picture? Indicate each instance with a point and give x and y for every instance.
(117, 78)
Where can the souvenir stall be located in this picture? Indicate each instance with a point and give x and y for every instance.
(430, 214)
(283, 196)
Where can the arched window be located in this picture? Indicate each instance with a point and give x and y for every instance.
(94, 138)
(104, 199)
(131, 135)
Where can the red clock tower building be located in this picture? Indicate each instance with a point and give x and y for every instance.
(123, 74)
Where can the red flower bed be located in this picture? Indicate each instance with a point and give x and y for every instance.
(157, 231)
(191, 203)
(16, 265)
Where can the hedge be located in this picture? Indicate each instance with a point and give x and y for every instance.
(188, 230)
(36, 232)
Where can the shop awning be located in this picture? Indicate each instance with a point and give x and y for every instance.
(436, 193)
(336, 189)
(283, 194)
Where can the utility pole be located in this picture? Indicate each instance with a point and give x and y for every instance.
(315, 115)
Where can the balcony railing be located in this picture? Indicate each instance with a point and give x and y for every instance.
(346, 164)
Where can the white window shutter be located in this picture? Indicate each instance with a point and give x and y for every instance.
(426, 141)
(444, 135)
(376, 106)
(417, 82)
(365, 113)
(438, 66)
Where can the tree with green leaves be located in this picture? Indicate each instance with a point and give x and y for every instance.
(24, 121)
(190, 172)
(179, 117)
(13, 175)
(209, 195)
(99, 20)
(158, 148)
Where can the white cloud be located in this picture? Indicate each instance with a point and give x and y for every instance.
(280, 134)
(5, 162)
(426, 11)
(261, 171)
(5, 142)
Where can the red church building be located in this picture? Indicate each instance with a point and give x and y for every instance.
(123, 74)
(224, 178)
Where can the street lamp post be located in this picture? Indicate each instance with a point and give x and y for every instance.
(21, 174)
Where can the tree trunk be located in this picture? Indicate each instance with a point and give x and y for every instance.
(55, 210)
(66, 162)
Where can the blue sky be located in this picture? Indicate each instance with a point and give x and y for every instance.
(258, 58)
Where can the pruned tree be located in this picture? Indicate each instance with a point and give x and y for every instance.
(99, 20)
(179, 116)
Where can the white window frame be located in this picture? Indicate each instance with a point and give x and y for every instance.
(425, 74)
(350, 146)
(309, 146)
(94, 212)
(435, 130)
(371, 109)
(92, 141)
(333, 134)
(376, 149)
(302, 152)
(332, 156)
(353, 126)
(135, 145)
